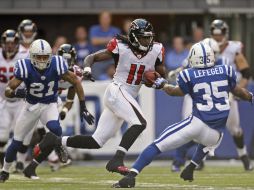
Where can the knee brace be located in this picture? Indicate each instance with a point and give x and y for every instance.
(54, 127)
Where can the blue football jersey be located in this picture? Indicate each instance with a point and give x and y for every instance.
(209, 89)
(41, 88)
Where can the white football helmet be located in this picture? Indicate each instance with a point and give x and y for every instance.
(214, 45)
(40, 54)
(201, 55)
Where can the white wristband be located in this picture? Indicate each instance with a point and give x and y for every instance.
(87, 69)
(69, 100)
(65, 109)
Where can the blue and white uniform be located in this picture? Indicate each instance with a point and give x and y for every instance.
(41, 100)
(209, 89)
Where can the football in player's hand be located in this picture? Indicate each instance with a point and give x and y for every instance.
(149, 77)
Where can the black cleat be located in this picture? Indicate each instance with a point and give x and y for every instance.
(19, 167)
(4, 176)
(116, 165)
(246, 163)
(126, 182)
(187, 174)
(62, 153)
(29, 171)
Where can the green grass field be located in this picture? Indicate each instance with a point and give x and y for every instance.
(153, 177)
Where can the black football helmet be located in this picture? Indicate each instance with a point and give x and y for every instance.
(141, 35)
(219, 27)
(27, 26)
(69, 53)
(10, 43)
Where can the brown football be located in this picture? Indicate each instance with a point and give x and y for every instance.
(149, 77)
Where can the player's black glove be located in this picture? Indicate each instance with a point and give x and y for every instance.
(84, 113)
(20, 93)
(88, 74)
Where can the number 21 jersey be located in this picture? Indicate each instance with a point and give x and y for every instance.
(130, 67)
(41, 88)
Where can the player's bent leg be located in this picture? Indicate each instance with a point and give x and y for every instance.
(180, 156)
(172, 137)
(210, 139)
(233, 125)
(125, 107)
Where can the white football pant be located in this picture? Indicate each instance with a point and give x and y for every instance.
(190, 129)
(119, 106)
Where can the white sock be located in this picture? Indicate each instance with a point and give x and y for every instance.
(21, 157)
(122, 149)
(7, 166)
(242, 151)
(64, 140)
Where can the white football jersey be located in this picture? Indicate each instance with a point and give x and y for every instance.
(229, 53)
(62, 85)
(7, 69)
(130, 67)
(24, 50)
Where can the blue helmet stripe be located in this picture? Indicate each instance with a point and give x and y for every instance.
(204, 53)
(42, 45)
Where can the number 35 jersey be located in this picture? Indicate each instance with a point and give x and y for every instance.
(41, 88)
(209, 89)
(130, 67)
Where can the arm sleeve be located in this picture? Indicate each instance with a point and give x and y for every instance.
(113, 46)
(61, 65)
(182, 82)
(20, 70)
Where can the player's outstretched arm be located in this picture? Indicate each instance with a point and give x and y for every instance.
(11, 87)
(171, 90)
(101, 55)
(243, 93)
(68, 103)
(73, 79)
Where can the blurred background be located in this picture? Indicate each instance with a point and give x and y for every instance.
(177, 24)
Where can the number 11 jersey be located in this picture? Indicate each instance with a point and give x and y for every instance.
(130, 67)
(41, 88)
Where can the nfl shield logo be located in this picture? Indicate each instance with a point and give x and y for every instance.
(43, 77)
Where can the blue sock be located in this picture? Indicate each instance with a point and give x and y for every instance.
(146, 157)
(181, 152)
(199, 154)
(12, 150)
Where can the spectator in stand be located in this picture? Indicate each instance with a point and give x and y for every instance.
(126, 25)
(109, 73)
(82, 46)
(197, 36)
(100, 35)
(176, 56)
(60, 40)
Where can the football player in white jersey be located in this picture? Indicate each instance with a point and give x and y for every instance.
(231, 50)
(9, 108)
(27, 32)
(133, 55)
(209, 86)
